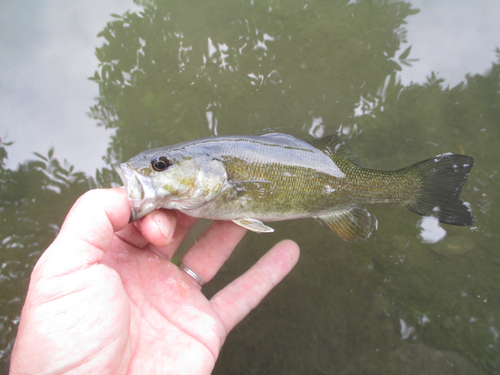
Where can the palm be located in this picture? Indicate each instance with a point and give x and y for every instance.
(161, 315)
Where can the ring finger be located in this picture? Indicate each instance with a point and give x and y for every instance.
(212, 249)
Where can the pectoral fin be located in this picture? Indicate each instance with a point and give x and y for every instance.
(353, 224)
(254, 225)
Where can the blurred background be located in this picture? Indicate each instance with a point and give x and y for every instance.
(87, 84)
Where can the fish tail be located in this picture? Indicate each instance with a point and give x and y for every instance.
(441, 181)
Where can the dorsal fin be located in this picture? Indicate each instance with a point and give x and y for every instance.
(334, 144)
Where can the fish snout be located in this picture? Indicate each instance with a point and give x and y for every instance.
(140, 191)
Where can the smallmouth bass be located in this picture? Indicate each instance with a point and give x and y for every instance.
(273, 177)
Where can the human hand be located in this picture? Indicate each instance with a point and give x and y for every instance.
(104, 297)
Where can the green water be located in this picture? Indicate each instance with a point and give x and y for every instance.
(401, 303)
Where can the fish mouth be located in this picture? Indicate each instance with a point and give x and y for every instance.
(140, 191)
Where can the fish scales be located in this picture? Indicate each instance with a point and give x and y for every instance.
(302, 191)
(270, 189)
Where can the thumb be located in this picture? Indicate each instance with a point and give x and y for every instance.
(87, 232)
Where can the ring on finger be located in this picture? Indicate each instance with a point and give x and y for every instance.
(191, 273)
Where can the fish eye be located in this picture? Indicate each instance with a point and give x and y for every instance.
(161, 163)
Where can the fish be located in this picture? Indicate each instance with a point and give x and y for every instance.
(265, 178)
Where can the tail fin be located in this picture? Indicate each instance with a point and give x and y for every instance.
(442, 179)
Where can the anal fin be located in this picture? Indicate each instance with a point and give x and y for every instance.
(353, 224)
(254, 225)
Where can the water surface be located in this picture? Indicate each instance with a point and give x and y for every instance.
(417, 297)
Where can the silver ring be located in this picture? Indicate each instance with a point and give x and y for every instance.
(191, 273)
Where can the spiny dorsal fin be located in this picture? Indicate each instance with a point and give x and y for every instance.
(353, 224)
(333, 144)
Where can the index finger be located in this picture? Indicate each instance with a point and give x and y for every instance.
(165, 230)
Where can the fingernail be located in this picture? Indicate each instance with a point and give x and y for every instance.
(164, 225)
